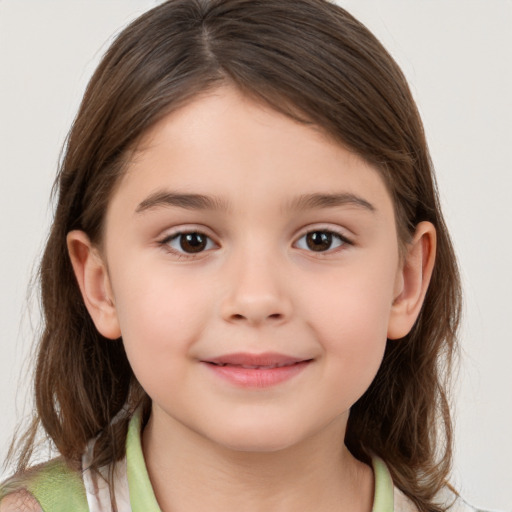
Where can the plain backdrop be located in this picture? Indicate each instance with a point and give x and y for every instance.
(457, 55)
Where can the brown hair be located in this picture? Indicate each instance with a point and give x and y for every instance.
(313, 61)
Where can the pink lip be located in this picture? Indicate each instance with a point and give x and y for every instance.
(256, 370)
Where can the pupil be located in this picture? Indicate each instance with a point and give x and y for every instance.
(319, 240)
(193, 242)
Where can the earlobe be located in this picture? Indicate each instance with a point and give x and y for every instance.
(412, 281)
(94, 282)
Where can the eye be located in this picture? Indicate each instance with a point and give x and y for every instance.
(191, 242)
(321, 241)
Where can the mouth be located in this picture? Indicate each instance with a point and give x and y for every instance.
(256, 367)
(257, 370)
(265, 361)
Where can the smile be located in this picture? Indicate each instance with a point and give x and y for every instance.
(256, 370)
(254, 367)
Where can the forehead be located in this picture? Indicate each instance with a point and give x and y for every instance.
(228, 145)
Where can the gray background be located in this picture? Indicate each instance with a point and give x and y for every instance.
(457, 55)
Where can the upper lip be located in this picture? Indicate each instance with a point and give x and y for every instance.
(265, 360)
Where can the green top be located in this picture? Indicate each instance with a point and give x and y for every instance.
(56, 487)
(59, 489)
(142, 497)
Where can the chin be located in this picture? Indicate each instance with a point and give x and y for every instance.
(258, 438)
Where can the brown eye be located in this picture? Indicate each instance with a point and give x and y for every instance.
(190, 243)
(321, 241)
(193, 242)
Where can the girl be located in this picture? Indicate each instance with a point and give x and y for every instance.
(248, 287)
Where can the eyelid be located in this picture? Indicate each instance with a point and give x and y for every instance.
(183, 230)
(338, 232)
(165, 239)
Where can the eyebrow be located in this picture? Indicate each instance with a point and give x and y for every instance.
(187, 201)
(312, 201)
(165, 198)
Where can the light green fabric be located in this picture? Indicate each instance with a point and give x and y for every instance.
(57, 488)
(142, 497)
(383, 498)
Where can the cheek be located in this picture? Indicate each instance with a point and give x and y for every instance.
(350, 317)
(356, 299)
(355, 341)
(160, 316)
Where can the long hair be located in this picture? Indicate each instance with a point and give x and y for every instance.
(312, 61)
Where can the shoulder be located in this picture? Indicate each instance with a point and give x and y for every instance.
(50, 486)
(20, 501)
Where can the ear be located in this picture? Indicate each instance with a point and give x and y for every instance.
(412, 281)
(94, 282)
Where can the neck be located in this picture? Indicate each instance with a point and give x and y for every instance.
(190, 473)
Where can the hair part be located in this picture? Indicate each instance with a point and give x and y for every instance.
(312, 61)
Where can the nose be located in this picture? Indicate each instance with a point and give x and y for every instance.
(256, 292)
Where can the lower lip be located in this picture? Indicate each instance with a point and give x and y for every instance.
(258, 377)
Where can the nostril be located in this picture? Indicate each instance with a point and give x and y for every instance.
(273, 316)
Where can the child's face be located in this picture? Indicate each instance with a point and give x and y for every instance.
(256, 283)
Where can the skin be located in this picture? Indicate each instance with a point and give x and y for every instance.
(256, 287)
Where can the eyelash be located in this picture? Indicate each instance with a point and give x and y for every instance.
(176, 236)
(343, 241)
